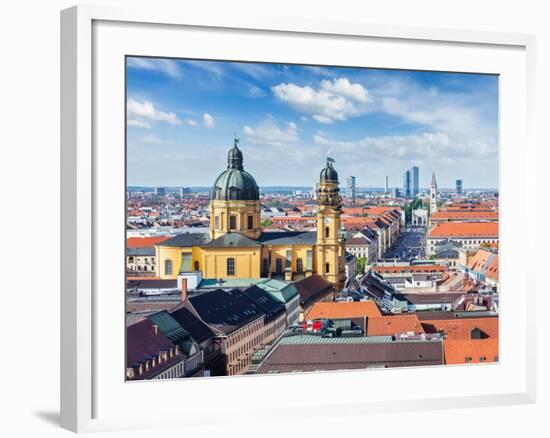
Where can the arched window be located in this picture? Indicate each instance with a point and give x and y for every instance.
(279, 266)
(197, 265)
(232, 222)
(265, 266)
(327, 267)
(250, 222)
(327, 232)
(230, 266)
(167, 267)
(299, 265)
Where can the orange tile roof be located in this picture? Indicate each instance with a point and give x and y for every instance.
(468, 214)
(471, 351)
(486, 262)
(343, 310)
(144, 242)
(461, 328)
(295, 218)
(391, 325)
(409, 269)
(464, 229)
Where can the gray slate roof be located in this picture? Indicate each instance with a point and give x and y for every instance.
(232, 239)
(288, 238)
(140, 252)
(187, 239)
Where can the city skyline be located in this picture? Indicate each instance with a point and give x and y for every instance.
(373, 122)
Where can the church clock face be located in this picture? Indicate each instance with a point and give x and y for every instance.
(327, 221)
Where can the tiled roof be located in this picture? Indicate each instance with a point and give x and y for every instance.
(461, 328)
(457, 215)
(351, 353)
(225, 311)
(142, 342)
(232, 239)
(485, 262)
(410, 269)
(264, 300)
(143, 242)
(345, 309)
(313, 286)
(391, 325)
(464, 229)
(187, 239)
(147, 251)
(288, 238)
(198, 330)
(470, 351)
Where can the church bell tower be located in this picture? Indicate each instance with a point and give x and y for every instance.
(330, 244)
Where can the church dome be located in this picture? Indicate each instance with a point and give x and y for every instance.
(328, 174)
(235, 183)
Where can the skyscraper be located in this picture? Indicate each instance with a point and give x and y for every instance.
(407, 184)
(386, 188)
(351, 191)
(415, 180)
(459, 187)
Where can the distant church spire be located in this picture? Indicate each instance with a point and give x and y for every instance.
(433, 195)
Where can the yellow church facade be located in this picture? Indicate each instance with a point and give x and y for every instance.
(237, 247)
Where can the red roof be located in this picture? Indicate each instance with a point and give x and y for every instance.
(392, 325)
(408, 269)
(468, 214)
(464, 229)
(470, 351)
(144, 242)
(343, 310)
(461, 328)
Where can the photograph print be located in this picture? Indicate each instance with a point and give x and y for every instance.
(285, 218)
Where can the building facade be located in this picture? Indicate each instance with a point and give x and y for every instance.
(237, 247)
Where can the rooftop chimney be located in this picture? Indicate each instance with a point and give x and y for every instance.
(183, 290)
(155, 329)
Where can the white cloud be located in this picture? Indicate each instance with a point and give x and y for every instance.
(435, 146)
(269, 133)
(155, 140)
(138, 111)
(208, 120)
(335, 100)
(138, 123)
(166, 66)
(211, 67)
(190, 122)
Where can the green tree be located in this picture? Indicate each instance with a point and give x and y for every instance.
(266, 223)
(360, 263)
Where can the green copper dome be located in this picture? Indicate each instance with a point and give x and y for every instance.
(235, 184)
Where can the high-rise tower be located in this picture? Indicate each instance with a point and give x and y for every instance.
(330, 252)
(407, 184)
(415, 180)
(433, 195)
(351, 191)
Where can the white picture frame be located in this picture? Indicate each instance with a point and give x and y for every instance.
(87, 376)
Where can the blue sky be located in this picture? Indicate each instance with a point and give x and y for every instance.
(182, 116)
